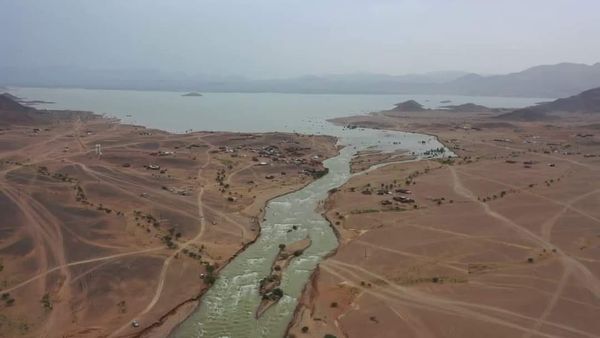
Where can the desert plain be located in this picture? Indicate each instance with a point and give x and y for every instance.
(114, 230)
(502, 240)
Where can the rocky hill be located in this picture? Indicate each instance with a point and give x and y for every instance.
(467, 108)
(408, 106)
(558, 80)
(585, 102)
(12, 112)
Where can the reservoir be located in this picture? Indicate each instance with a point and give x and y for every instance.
(241, 112)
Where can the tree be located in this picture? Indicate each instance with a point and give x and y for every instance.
(46, 302)
(210, 279)
(277, 292)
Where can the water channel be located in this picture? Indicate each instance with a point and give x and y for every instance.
(229, 306)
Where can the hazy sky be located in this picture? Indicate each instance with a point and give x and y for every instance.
(278, 38)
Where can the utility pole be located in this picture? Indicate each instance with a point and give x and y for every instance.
(99, 149)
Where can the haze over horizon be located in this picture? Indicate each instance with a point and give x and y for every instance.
(274, 39)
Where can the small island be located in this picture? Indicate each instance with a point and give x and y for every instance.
(269, 286)
(193, 94)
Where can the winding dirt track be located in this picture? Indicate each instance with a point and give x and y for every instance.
(43, 222)
(581, 272)
(416, 256)
(411, 297)
(552, 303)
(47, 232)
(570, 264)
(167, 262)
(395, 294)
(47, 183)
(85, 261)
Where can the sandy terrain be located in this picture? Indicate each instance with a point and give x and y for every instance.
(503, 241)
(92, 242)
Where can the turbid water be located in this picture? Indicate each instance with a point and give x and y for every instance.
(229, 306)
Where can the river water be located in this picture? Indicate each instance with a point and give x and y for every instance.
(228, 308)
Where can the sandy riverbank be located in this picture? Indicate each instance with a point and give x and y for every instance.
(91, 242)
(502, 241)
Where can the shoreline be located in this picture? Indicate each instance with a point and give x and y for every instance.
(315, 272)
(240, 251)
(312, 281)
(532, 164)
(125, 183)
(502, 178)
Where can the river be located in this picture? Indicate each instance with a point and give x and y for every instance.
(228, 308)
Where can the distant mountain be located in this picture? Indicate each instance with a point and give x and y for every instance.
(559, 80)
(585, 102)
(147, 79)
(550, 81)
(344, 84)
(429, 78)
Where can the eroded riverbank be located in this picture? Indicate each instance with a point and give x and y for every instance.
(228, 308)
(139, 224)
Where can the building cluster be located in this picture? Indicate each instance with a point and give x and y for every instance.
(401, 197)
(266, 155)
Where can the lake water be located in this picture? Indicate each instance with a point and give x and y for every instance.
(247, 112)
